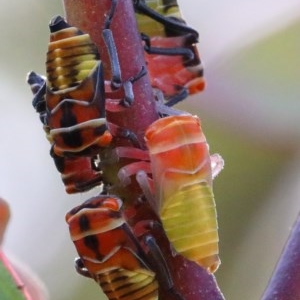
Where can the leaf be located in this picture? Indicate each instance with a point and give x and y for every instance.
(8, 288)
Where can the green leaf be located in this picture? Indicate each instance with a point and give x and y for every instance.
(8, 288)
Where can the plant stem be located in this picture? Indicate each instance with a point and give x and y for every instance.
(190, 280)
(285, 281)
(89, 16)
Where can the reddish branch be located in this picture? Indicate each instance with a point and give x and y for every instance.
(190, 280)
(285, 282)
(89, 16)
(4, 219)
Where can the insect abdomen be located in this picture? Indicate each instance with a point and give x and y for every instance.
(182, 174)
(71, 57)
(191, 224)
(109, 251)
(124, 284)
(75, 98)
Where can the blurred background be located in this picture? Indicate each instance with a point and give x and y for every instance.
(249, 112)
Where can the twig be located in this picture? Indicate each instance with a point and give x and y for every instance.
(285, 281)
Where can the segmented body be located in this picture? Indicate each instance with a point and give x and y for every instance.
(108, 250)
(78, 173)
(75, 98)
(172, 56)
(73, 113)
(181, 169)
(151, 26)
(72, 102)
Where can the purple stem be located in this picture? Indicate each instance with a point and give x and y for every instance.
(285, 281)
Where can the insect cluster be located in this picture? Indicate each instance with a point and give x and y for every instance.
(172, 175)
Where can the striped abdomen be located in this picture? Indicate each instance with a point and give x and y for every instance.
(71, 56)
(75, 95)
(181, 169)
(78, 173)
(172, 73)
(109, 252)
(167, 9)
(189, 219)
(172, 56)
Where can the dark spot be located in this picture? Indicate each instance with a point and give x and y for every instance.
(84, 223)
(73, 138)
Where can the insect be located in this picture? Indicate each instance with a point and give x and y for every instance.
(182, 175)
(108, 250)
(172, 56)
(78, 173)
(71, 102)
(75, 98)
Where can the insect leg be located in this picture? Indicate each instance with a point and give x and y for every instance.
(116, 81)
(176, 25)
(145, 184)
(80, 268)
(125, 133)
(217, 164)
(184, 93)
(128, 91)
(164, 107)
(37, 84)
(131, 169)
(186, 52)
(38, 87)
(164, 272)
